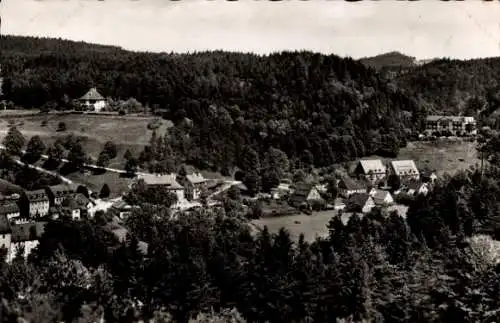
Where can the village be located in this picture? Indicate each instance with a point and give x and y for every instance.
(365, 185)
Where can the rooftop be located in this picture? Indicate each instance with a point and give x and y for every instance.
(196, 178)
(92, 95)
(158, 179)
(37, 195)
(381, 195)
(374, 165)
(358, 199)
(9, 208)
(27, 231)
(405, 166)
(352, 184)
(450, 118)
(60, 189)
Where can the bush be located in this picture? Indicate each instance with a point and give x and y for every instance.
(45, 123)
(122, 112)
(155, 124)
(61, 126)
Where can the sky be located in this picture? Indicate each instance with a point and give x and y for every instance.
(423, 29)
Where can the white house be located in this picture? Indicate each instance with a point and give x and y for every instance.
(38, 202)
(168, 181)
(348, 186)
(382, 198)
(5, 232)
(404, 169)
(25, 236)
(194, 185)
(93, 100)
(371, 169)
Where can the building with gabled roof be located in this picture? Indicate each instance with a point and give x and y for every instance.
(359, 202)
(348, 186)
(194, 184)
(26, 236)
(456, 125)
(382, 198)
(404, 169)
(414, 188)
(10, 209)
(371, 169)
(168, 181)
(93, 100)
(304, 194)
(57, 193)
(36, 202)
(5, 232)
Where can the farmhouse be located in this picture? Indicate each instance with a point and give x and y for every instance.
(25, 238)
(5, 232)
(76, 206)
(121, 209)
(404, 169)
(359, 202)
(370, 169)
(348, 186)
(57, 193)
(10, 210)
(382, 198)
(37, 202)
(304, 194)
(455, 125)
(93, 100)
(194, 184)
(168, 181)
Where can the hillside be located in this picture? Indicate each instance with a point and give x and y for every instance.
(391, 60)
(316, 108)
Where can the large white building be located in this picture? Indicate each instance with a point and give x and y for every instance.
(456, 125)
(168, 181)
(404, 169)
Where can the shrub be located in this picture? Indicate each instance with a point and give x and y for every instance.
(122, 112)
(45, 123)
(105, 191)
(155, 124)
(61, 126)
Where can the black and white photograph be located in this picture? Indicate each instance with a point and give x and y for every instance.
(252, 161)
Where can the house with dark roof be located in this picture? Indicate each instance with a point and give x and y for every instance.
(370, 169)
(5, 232)
(36, 203)
(25, 237)
(93, 100)
(10, 210)
(121, 208)
(348, 186)
(168, 181)
(428, 176)
(359, 202)
(76, 206)
(305, 194)
(415, 188)
(194, 184)
(57, 193)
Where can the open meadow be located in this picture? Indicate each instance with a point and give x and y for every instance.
(126, 132)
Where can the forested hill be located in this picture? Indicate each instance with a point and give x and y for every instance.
(453, 86)
(389, 60)
(294, 101)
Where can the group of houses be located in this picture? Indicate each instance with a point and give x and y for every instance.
(450, 125)
(366, 187)
(23, 216)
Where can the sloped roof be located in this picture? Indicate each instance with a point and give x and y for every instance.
(9, 208)
(92, 95)
(157, 179)
(352, 184)
(407, 167)
(380, 196)
(27, 231)
(60, 189)
(374, 165)
(4, 224)
(195, 178)
(37, 196)
(301, 191)
(450, 118)
(75, 201)
(357, 199)
(414, 185)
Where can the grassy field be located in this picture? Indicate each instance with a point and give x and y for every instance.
(126, 132)
(443, 156)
